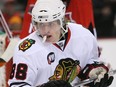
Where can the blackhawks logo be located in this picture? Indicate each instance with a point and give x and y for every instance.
(26, 44)
(67, 70)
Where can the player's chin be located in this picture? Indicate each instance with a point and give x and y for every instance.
(50, 40)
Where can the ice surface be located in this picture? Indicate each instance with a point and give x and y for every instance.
(108, 54)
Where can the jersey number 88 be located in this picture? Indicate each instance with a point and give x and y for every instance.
(19, 71)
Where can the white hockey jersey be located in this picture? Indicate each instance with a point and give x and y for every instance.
(35, 63)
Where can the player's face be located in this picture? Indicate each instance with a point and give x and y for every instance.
(52, 30)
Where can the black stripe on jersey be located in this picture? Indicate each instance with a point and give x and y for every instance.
(19, 83)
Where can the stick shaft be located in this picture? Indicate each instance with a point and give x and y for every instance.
(7, 55)
(112, 72)
(5, 25)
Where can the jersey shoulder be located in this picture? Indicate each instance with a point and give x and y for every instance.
(29, 44)
(78, 30)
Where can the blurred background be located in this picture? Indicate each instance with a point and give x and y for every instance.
(104, 15)
(13, 11)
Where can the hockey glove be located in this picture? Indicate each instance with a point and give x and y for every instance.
(56, 83)
(98, 71)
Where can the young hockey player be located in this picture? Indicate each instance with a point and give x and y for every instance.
(56, 54)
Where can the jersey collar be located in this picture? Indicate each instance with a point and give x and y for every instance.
(62, 43)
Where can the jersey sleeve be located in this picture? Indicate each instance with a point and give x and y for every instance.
(93, 50)
(22, 72)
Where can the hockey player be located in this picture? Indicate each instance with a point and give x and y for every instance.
(56, 54)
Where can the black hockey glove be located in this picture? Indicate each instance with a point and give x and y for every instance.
(56, 83)
(98, 71)
(105, 81)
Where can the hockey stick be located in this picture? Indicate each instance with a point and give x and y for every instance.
(84, 82)
(5, 26)
(7, 55)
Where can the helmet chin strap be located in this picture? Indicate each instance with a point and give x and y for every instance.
(61, 22)
(63, 32)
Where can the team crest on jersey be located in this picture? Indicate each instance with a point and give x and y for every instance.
(66, 70)
(26, 44)
(51, 57)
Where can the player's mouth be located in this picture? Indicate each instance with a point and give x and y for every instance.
(49, 36)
